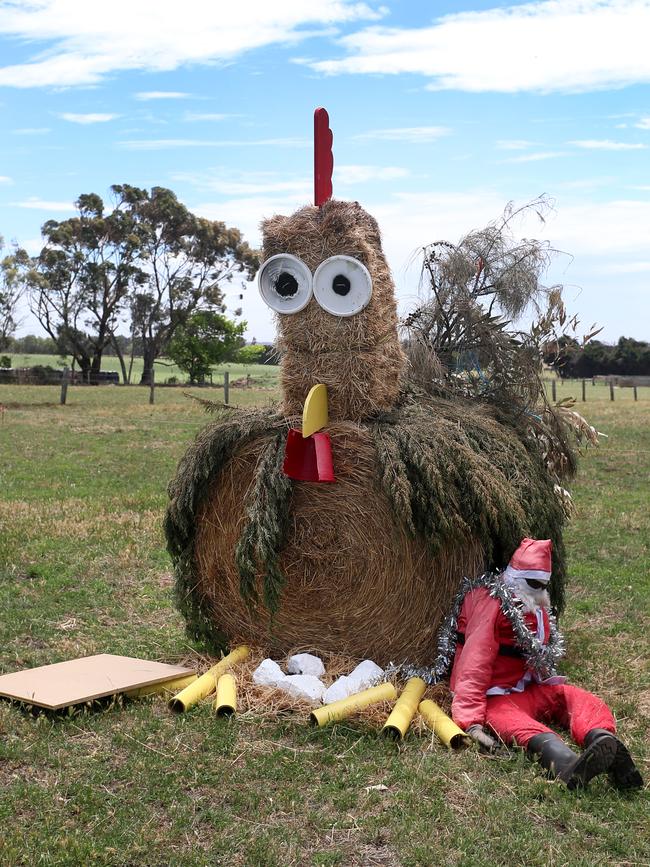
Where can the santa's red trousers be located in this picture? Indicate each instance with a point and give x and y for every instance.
(520, 716)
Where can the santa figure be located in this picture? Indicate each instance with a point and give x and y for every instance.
(503, 677)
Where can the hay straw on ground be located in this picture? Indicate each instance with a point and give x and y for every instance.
(271, 703)
(358, 358)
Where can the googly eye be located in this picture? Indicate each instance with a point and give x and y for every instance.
(285, 283)
(342, 285)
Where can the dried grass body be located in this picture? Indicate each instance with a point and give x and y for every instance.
(356, 581)
(358, 358)
(367, 566)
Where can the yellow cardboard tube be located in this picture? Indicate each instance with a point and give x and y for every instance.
(406, 705)
(165, 686)
(442, 725)
(339, 710)
(314, 413)
(225, 703)
(207, 683)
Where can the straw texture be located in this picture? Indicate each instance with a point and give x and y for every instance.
(368, 566)
(359, 358)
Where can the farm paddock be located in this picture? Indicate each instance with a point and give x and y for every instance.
(83, 570)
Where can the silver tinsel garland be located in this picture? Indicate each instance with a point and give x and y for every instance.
(541, 659)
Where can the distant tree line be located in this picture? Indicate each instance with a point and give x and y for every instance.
(572, 360)
(32, 344)
(145, 265)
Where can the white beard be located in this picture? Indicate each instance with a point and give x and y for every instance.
(529, 597)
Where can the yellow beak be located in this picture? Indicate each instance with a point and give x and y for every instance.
(314, 413)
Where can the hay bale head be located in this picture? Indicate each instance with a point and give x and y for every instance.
(359, 357)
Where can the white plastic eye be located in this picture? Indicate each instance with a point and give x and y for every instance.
(285, 283)
(342, 285)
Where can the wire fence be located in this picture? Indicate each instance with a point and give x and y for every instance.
(599, 388)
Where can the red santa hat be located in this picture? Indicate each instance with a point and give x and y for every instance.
(532, 559)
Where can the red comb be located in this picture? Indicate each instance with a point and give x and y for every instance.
(323, 157)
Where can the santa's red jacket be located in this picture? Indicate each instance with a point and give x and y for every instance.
(486, 657)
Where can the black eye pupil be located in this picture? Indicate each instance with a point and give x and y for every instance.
(341, 284)
(286, 285)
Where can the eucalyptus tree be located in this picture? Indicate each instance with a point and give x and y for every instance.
(79, 284)
(184, 263)
(12, 267)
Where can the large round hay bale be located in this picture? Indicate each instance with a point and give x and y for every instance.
(356, 582)
(369, 565)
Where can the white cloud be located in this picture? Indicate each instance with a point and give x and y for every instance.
(599, 229)
(627, 268)
(32, 245)
(37, 204)
(32, 130)
(517, 144)
(607, 145)
(644, 123)
(84, 46)
(196, 116)
(275, 186)
(4, 179)
(247, 184)
(93, 117)
(166, 143)
(535, 157)
(361, 174)
(547, 45)
(146, 95)
(250, 184)
(586, 183)
(411, 134)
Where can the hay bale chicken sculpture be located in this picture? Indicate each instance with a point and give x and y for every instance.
(345, 519)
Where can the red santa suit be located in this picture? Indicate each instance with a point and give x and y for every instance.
(493, 685)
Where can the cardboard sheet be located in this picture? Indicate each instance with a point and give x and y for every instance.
(80, 680)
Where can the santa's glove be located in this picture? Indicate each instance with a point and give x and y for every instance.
(485, 741)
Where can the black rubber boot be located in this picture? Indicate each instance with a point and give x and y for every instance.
(575, 770)
(623, 773)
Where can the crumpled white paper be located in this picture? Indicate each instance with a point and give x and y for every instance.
(366, 674)
(268, 673)
(303, 686)
(305, 663)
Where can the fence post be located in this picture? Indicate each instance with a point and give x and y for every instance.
(636, 397)
(584, 392)
(226, 386)
(611, 390)
(65, 379)
(553, 390)
(152, 386)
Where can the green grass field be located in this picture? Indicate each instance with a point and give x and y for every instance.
(83, 570)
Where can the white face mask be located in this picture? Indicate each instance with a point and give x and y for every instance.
(530, 597)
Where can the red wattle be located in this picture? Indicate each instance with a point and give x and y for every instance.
(308, 459)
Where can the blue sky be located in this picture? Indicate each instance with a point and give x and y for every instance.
(441, 112)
